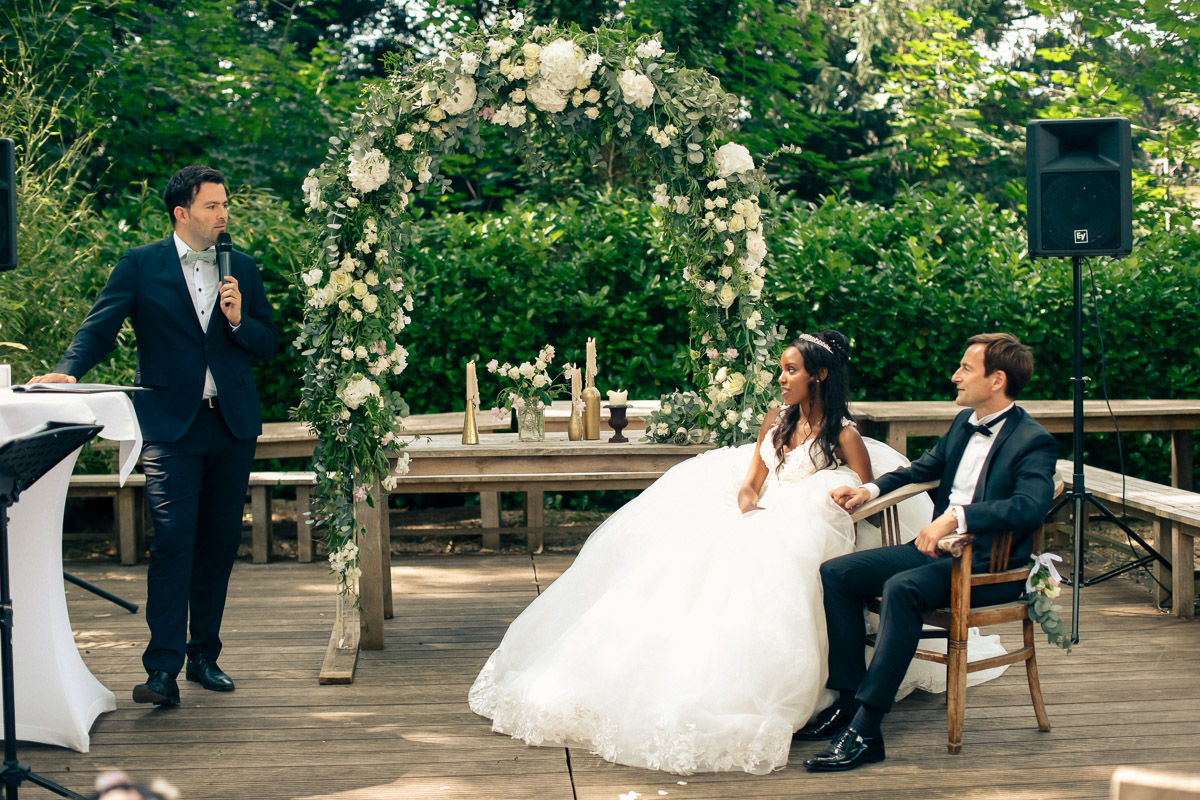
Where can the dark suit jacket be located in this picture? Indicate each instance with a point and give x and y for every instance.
(149, 289)
(1015, 487)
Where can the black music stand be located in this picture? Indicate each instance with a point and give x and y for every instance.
(23, 461)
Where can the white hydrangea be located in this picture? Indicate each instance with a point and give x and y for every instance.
(661, 198)
(357, 391)
(636, 88)
(732, 158)
(545, 97)
(461, 97)
(513, 116)
(561, 64)
(650, 49)
(312, 193)
(368, 173)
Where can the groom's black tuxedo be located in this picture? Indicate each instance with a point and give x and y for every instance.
(1013, 493)
(197, 453)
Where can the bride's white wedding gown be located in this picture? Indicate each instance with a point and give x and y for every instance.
(687, 636)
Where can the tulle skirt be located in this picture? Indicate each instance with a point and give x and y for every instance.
(685, 636)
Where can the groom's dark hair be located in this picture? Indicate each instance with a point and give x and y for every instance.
(1003, 351)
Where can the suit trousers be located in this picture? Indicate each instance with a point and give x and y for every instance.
(197, 491)
(909, 583)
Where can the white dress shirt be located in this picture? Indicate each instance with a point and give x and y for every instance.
(966, 478)
(202, 279)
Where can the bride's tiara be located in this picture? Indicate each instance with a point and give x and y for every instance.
(808, 337)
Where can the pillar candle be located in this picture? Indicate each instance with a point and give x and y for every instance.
(618, 399)
(575, 387)
(591, 361)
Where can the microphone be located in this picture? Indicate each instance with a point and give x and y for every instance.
(224, 248)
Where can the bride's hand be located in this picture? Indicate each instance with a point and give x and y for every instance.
(850, 498)
(748, 500)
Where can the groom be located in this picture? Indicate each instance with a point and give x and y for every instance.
(996, 466)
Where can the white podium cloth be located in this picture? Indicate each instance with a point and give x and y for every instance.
(57, 698)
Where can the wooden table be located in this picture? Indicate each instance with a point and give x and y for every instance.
(894, 422)
(295, 440)
(636, 412)
(441, 463)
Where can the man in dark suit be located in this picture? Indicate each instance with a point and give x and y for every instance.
(996, 466)
(199, 421)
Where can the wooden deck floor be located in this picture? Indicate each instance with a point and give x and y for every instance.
(1129, 694)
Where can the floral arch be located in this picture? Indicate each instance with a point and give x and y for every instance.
(605, 85)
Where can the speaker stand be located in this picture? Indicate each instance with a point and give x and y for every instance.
(1078, 495)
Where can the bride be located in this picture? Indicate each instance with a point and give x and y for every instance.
(689, 634)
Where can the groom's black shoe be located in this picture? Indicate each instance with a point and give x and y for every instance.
(204, 671)
(828, 723)
(848, 751)
(160, 689)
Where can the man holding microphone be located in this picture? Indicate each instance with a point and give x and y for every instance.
(196, 333)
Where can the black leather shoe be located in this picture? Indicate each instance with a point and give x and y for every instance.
(204, 671)
(848, 751)
(160, 689)
(828, 723)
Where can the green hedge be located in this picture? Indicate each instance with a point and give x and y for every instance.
(909, 283)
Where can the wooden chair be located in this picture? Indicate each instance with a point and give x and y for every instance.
(953, 623)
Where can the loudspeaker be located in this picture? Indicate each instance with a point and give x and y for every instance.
(8, 205)
(1079, 187)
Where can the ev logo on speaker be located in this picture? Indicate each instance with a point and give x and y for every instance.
(1081, 237)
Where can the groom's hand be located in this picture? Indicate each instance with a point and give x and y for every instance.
(850, 498)
(934, 532)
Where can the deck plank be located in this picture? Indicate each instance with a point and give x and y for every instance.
(1128, 694)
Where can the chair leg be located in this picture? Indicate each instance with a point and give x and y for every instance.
(1035, 686)
(956, 694)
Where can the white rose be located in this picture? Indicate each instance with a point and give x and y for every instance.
(356, 315)
(636, 89)
(518, 96)
(518, 72)
(591, 112)
(527, 370)
(732, 158)
(540, 380)
(461, 98)
(347, 354)
(435, 114)
(404, 141)
(370, 303)
(727, 295)
(359, 290)
(756, 246)
(545, 97)
(531, 51)
(352, 202)
(360, 352)
(514, 373)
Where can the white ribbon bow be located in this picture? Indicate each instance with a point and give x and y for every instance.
(1044, 560)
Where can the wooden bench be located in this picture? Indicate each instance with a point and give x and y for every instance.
(129, 538)
(1175, 518)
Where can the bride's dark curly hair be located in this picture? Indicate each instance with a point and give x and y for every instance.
(833, 392)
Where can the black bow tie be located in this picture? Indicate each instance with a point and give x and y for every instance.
(986, 430)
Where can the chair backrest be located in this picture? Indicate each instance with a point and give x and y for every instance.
(1002, 542)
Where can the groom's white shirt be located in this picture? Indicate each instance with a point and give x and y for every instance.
(966, 477)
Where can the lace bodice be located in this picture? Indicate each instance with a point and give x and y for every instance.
(798, 463)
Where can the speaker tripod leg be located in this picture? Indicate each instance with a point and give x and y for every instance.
(15, 774)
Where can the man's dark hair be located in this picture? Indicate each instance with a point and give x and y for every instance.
(184, 184)
(1005, 352)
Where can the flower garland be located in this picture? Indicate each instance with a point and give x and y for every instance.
(593, 87)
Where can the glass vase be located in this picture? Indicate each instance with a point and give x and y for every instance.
(531, 422)
(346, 624)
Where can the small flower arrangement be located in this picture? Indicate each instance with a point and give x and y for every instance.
(532, 384)
(1042, 587)
(674, 422)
